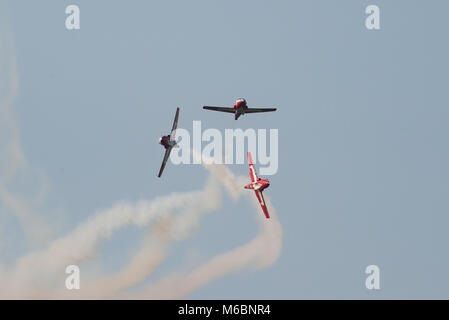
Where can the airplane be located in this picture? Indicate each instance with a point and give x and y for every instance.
(240, 108)
(169, 142)
(258, 185)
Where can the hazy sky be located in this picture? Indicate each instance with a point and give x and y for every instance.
(362, 118)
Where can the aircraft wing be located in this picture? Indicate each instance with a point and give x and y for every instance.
(255, 110)
(175, 125)
(259, 196)
(222, 109)
(252, 170)
(164, 162)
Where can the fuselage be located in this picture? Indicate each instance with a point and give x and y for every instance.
(240, 106)
(166, 141)
(260, 184)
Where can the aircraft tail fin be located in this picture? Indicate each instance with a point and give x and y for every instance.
(250, 159)
(237, 115)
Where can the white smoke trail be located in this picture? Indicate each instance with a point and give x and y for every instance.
(38, 270)
(153, 252)
(33, 225)
(167, 230)
(13, 162)
(261, 252)
(35, 274)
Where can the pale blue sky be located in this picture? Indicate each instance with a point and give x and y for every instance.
(362, 119)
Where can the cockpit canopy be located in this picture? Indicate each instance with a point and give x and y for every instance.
(240, 100)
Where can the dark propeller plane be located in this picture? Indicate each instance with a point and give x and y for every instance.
(169, 142)
(240, 108)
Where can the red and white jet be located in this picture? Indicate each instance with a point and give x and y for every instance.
(258, 185)
(240, 108)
